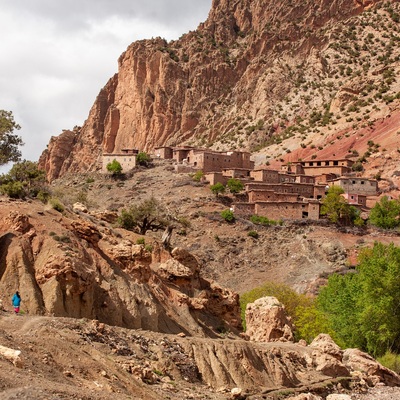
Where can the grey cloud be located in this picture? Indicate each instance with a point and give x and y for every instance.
(59, 54)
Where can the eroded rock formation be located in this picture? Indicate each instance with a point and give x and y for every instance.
(65, 265)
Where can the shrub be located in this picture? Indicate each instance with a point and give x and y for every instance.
(228, 215)
(15, 190)
(43, 196)
(234, 185)
(198, 176)
(143, 159)
(114, 167)
(140, 241)
(217, 188)
(56, 204)
(260, 220)
(148, 247)
(253, 234)
(391, 361)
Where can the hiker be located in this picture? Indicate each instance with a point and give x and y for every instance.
(16, 302)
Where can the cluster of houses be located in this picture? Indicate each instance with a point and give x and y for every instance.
(293, 192)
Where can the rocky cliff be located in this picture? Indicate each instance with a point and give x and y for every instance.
(246, 75)
(66, 265)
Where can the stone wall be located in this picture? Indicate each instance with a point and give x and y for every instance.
(287, 210)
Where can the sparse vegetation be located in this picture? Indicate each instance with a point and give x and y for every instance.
(228, 215)
(114, 167)
(148, 214)
(218, 188)
(143, 159)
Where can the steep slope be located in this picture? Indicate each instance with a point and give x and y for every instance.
(249, 72)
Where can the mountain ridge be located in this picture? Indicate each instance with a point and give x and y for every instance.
(229, 84)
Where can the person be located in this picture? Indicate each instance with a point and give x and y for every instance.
(16, 302)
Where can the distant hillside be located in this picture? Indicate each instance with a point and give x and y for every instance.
(284, 80)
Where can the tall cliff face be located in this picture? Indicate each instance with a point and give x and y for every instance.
(199, 89)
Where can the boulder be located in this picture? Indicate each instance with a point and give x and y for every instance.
(79, 207)
(371, 370)
(18, 222)
(11, 355)
(327, 356)
(266, 321)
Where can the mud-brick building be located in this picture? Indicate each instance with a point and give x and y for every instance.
(242, 174)
(337, 167)
(307, 190)
(208, 160)
(356, 199)
(301, 209)
(126, 157)
(274, 176)
(356, 185)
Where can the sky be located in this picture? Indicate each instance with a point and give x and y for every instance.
(57, 55)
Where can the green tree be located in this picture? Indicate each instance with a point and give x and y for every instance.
(217, 188)
(114, 167)
(149, 214)
(385, 213)
(9, 141)
(334, 205)
(363, 307)
(234, 185)
(143, 158)
(24, 179)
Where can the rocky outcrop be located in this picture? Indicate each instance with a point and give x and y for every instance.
(199, 87)
(266, 321)
(65, 265)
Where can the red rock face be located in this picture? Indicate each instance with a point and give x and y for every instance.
(192, 89)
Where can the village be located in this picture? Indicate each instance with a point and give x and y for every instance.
(292, 192)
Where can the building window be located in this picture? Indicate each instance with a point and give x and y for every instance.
(362, 182)
(353, 182)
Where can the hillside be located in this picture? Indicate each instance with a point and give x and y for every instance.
(298, 253)
(284, 81)
(84, 282)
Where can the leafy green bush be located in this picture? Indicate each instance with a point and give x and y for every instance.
(143, 159)
(217, 188)
(228, 215)
(140, 241)
(15, 190)
(234, 185)
(114, 167)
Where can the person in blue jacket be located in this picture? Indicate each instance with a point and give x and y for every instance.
(16, 302)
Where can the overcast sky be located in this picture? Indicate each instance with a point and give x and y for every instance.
(57, 55)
